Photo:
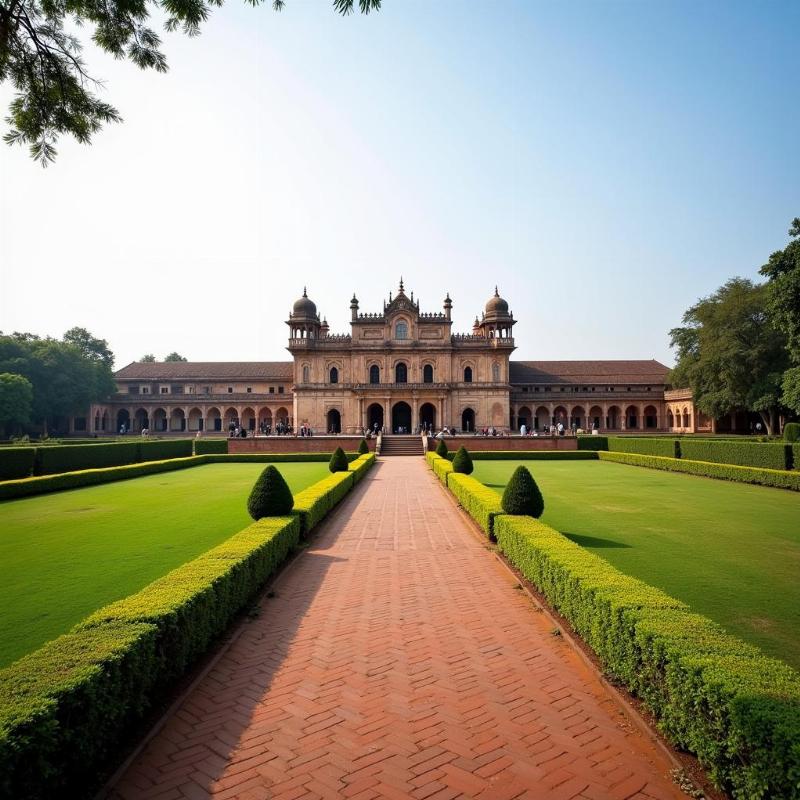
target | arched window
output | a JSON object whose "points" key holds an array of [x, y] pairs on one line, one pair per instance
{"points": [[334, 375], [401, 330], [401, 373], [374, 374], [467, 374], [427, 373], [306, 373], [496, 373]]}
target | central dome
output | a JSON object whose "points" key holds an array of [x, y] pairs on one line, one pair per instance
{"points": [[304, 307], [496, 306]]}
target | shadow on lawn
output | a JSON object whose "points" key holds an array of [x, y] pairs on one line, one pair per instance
{"points": [[593, 541]]}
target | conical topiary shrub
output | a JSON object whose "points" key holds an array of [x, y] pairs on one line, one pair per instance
{"points": [[522, 495], [441, 449], [462, 462], [270, 496], [363, 447], [338, 462]]}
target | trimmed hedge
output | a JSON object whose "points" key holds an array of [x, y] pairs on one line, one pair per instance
{"points": [[26, 487], [16, 462], [479, 501], [735, 708], [272, 458], [312, 504], [361, 466], [66, 707], [593, 443], [162, 449], [780, 479], [441, 466], [668, 448], [205, 446], [766, 455], [529, 455], [70, 458]]}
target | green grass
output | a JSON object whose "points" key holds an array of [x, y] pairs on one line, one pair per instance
{"points": [[68, 553], [731, 551]]}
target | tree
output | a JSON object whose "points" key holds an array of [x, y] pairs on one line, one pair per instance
{"points": [[441, 449], [363, 447], [173, 356], [16, 399], [41, 56], [522, 495], [147, 358], [270, 495], [730, 354], [92, 348], [65, 380], [783, 302], [338, 462], [462, 462]]}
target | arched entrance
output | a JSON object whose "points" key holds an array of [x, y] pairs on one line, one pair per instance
{"points": [[401, 417], [427, 416], [524, 418], [141, 420], [375, 417], [467, 420], [123, 419], [334, 421]]}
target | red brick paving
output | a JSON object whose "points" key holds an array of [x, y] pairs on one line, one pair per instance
{"points": [[398, 661]]}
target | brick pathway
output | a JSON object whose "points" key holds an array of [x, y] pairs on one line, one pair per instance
{"points": [[398, 660]]}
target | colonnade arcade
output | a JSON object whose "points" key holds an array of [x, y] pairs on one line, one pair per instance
{"points": [[176, 419], [603, 416]]}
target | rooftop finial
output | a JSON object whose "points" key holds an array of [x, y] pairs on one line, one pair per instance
{"points": [[401, 283], [496, 293], [304, 292]]}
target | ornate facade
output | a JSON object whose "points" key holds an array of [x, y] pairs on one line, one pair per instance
{"points": [[397, 369]]}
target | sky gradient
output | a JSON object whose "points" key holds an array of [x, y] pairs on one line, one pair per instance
{"points": [[605, 164]]}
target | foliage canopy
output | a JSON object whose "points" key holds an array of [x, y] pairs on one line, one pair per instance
{"points": [[41, 57]]}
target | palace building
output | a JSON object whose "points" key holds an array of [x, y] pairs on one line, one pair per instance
{"points": [[399, 368]]}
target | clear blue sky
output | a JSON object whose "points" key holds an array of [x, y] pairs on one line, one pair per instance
{"points": [[605, 164]]}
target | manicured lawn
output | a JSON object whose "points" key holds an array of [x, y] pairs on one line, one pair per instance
{"points": [[68, 553], [731, 551]]}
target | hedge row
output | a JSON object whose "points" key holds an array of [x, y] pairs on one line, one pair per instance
{"points": [[766, 455], [529, 455], [441, 466], [313, 503], [205, 446], [735, 708], [20, 462], [26, 487], [668, 448], [272, 458], [780, 479], [479, 501], [16, 462], [65, 709], [360, 466]]}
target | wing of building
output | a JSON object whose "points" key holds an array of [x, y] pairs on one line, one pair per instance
{"points": [[397, 369]]}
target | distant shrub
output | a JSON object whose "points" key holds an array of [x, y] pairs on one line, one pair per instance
{"points": [[522, 495], [592, 442], [204, 446], [338, 462], [16, 462], [271, 496], [791, 431], [441, 449], [462, 463], [363, 447]]}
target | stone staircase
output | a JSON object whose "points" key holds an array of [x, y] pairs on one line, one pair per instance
{"points": [[401, 445]]}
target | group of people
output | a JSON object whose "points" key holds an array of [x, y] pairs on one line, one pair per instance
{"points": [[235, 430], [557, 429]]}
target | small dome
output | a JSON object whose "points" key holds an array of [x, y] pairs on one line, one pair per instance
{"points": [[496, 306], [304, 307]]}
